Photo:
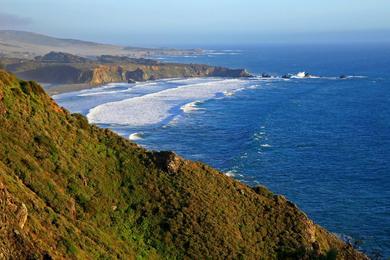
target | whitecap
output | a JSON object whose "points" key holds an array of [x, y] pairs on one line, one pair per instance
{"points": [[228, 93], [136, 136], [300, 75], [233, 92], [259, 136], [356, 77], [266, 145], [304, 75], [190, 107], [230, 173], [103, 93]]}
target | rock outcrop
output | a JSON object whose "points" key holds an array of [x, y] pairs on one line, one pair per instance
{"points": [[167, 160], [137, 75], [14, 244], [233, 73]]}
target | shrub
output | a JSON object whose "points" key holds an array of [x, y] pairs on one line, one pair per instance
{"points": [[332, 254], [81, 121], [69, 246], [262, 190]]}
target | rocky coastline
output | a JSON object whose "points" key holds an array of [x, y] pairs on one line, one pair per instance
{"points": [[62, 70]]}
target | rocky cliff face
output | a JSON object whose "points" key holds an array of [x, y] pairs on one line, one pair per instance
{"points": [[62, 68], [58, 74], [234, 73], [138, 72], [72, 190]]}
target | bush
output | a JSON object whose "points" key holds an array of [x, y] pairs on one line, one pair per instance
{"points": [[262, 190], [69, 246], [331, 254], [31, 87], [81, 121], [42, 140]]}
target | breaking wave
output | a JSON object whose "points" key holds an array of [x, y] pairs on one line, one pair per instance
{"points": [[190, 107], [136, 136], [162, 106]]}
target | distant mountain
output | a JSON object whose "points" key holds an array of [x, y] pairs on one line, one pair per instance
{"points": [[39, 39], [22, 44]]}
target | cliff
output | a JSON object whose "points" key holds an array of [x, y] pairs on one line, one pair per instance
{"points": [[72, 190], [139, 72], [63, 68]]}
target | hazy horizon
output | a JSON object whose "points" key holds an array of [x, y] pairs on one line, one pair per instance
{"points": [[202, 23]]}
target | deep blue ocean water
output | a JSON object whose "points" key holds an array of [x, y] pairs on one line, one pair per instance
{"points": [[323, 143]]}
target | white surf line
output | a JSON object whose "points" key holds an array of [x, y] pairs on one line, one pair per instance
{"points": [[135, 136], [156, 107]]}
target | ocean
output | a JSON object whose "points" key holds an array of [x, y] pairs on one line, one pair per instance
{"points": [[323, 142]]}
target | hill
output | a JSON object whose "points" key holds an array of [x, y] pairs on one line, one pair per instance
{"points": [[72, 190], [20, 44], [67, 70]]}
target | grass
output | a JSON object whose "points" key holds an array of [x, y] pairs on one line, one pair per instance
{"points": [[93, 194]]}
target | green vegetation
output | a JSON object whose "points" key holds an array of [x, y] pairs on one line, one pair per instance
{"points": [[92, 194]]}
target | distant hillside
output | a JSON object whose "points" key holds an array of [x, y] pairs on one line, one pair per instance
{"points": [[70, 190], [64, 68], [21, 44]]}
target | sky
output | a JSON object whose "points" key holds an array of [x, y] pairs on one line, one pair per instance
{"points": [[201, 22]]}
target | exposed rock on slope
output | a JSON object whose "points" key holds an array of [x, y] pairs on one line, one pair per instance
{"points": [[92, 194], [13, 216]]}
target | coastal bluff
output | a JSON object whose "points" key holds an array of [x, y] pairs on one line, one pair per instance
{"points": [[65, 68], [71, 190]]}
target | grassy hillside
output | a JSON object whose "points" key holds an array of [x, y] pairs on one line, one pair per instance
{"points": [[71, 190]]}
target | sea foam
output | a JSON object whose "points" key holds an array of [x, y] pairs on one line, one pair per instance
{"points": [[135, 136], [190, 107], [160, 106]]}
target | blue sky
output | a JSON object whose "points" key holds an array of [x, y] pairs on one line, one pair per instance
{"points": [[170, 22]]}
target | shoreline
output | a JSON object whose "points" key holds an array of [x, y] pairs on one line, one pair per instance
{"points": [[56, 89]]}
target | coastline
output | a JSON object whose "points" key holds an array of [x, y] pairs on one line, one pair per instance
{"points": [[63, 72], [56, 89]]}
